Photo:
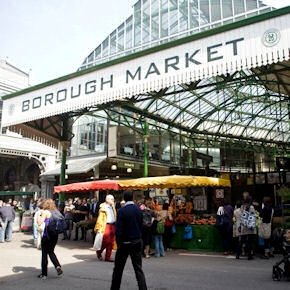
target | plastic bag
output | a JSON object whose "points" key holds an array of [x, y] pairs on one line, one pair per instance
{"points": [[98, 241]]}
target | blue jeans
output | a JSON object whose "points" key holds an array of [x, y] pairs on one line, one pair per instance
{"points": [[6, 231], [159, 248]]}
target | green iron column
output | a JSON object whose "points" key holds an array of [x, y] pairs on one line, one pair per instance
{"points": [[146, 151], [190, 163], [64, 147]]}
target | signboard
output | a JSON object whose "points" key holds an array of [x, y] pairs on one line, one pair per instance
{"points": [[195, 58], [220, 193]]}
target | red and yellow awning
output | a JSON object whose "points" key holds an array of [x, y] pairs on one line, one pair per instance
{"points": [[173, 181]]}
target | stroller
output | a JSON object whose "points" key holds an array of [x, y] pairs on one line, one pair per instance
{"points": [[279, 271]]}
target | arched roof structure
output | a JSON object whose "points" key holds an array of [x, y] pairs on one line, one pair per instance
{"points": [[155, 22], [238, 99], [248, 105]]}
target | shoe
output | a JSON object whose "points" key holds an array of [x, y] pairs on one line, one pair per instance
{"points": [[75, 239], [42, 277], [59, 271], [147, 257], [271, 255], [99, 255], [109, 260], [250, 258], [238, 257], [264, 257]]}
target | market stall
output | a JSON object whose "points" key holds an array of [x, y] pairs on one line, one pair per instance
{"points": [[193, 200]]}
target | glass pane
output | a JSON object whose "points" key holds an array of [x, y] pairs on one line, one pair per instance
{"points": [[204, 6], [106, 47], [137, 24], [183, 15], [215, 10], [113, 42], [194, 15], [251, 5], [146, 21], [98, 51], [154, 20], [239, 7], [164, 18], [129, 32], [173, 16], [227, 8], [121, 38]]}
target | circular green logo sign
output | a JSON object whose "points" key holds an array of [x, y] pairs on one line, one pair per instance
{"points": [[271, 37]]}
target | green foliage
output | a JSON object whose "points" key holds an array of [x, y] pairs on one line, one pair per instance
{"points": [[284, 192]]}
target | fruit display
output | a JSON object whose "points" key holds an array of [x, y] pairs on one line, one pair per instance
{"points": [[194, 220], [184, 219], [204, 221]]}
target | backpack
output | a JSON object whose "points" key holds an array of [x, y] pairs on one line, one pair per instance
{"points": [[147, 218], [57, 224], [160, 228]]}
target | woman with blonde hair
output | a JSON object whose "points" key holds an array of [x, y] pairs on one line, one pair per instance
{"points": [[49, 215]]}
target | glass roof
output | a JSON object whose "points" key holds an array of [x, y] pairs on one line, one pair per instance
{"points": [[244, 110], [157, 21]]}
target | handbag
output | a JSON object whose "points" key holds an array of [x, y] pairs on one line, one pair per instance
{"points": [[265, 231], [98, 241]]}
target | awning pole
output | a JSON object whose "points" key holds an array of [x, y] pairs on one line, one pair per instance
{"points": [[146, 153]]}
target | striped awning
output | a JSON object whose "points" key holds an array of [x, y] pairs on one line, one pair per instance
{"points": [[173, 181]]}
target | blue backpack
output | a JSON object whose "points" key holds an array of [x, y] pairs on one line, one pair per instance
{"points": [[57, 224]]}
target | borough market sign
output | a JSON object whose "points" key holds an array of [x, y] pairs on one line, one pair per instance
{"points": [[185, 61]]}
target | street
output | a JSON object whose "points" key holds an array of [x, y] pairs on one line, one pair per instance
{"points": [[20, 265]]}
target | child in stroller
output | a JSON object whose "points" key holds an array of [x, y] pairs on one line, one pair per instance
{"points": [[279, 272]]}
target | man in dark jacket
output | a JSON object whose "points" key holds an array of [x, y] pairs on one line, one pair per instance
{"points": [[7, 216], [129, 241]]}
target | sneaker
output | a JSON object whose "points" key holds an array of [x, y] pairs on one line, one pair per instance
{"points": [[42, 277], [59, 271]]}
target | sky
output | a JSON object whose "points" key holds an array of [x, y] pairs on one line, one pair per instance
{"points": [[51, 38]]}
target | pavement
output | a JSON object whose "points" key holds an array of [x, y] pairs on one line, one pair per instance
{"points": [[179, 270]]}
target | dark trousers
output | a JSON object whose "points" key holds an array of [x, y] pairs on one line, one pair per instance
{"points": [[69, 227], [134, 250], [227, 236], [249, 241], [47, 247], [167, 237], [77, 232]]}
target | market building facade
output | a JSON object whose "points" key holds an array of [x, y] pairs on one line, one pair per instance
{"points": [[194, 87]]}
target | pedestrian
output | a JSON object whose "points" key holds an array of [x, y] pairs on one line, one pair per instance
{"points": [[38, 230], [106, 225], [247, 228], [226, 213], [148, 217], [68, 215], [80, 213], [265, 228], [167, 213], [237, 226], [7, 216], [158, 229], [129, 242], [48, 216]]}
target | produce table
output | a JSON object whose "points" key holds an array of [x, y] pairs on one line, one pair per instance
{"points": [[204, 238]]}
